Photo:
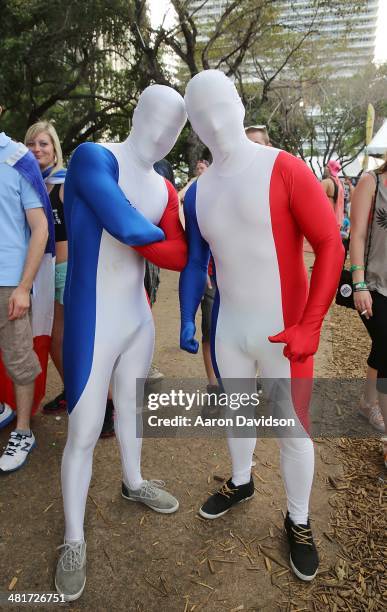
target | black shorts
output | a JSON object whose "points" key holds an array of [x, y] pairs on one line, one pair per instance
{"points": [[151, 280], [377, 329], [206, 305]]}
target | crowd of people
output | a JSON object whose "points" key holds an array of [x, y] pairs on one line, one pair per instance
{"points": [[46, 210], [361, 215]]}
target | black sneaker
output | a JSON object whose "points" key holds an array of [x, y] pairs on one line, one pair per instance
{"points": [[303, 552], [223, 500], [59, 403], [107, 430]]}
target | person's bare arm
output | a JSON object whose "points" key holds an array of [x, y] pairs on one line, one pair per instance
{"points": [[351, 188], [360, 211], [327, 185], [19, 302], [184, 190]]}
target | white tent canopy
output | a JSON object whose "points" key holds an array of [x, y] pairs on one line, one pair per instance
{"points": [[378, 144], [352, 169]]}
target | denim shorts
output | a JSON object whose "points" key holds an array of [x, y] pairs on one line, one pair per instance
{"points": [[60, 281]]}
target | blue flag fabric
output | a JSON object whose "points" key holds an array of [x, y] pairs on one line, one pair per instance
{"points": [[28, 167]]}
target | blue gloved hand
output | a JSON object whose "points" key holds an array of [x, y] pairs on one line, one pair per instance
{"points": [[187, 338], [158, 235]]}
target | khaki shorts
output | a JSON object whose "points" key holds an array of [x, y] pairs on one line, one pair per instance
{"points": [[16, 344]]}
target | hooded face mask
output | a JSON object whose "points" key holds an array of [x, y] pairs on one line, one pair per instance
{"points": [[157, 122], [215, 111]]}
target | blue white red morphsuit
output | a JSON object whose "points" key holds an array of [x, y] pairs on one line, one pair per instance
{"points": [[252, 208], [114, 200]]}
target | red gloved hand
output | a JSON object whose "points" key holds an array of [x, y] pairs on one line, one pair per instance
{"points": [[301, 342]]}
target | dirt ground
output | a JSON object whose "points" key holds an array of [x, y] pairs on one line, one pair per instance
{"points": [[143, 561]]}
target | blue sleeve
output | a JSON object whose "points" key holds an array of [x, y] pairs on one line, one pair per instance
{"points": [[28, 195], [93, 171], [194, 276]]}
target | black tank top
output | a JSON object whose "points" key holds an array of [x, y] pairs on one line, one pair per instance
{"points": [[58, 212]]}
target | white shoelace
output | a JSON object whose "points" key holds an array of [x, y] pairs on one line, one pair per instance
{"points": [[149, 489], [73, 556]]}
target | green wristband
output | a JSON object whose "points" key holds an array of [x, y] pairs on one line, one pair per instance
{"points": [[362, 286], [355, 267]]}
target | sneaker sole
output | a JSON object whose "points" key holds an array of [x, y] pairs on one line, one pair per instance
{"points": [[215, 516], [160, 510], [19, 466], [365, 417], [8, 420], [299, 575], [70, 597]]}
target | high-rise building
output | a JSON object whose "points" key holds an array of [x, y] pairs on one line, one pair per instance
{"points": [[356, 29]]}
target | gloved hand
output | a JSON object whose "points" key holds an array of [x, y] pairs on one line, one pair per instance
{"points": [[187, 338], [154, 235], [301, 341]]}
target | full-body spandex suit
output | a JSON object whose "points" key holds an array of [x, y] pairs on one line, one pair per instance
{"points": [[113, 201], [252, 208]]}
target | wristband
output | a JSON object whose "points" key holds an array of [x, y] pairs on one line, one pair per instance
{"points": [[355, 267], [362, 286]]}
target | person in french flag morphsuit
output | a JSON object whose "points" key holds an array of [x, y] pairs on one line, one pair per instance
{"points": [[114, 200], [252, 209]]}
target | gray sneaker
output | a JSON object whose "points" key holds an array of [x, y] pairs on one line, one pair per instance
{"points": [[70, 577], [151, 494], [154, 375]]}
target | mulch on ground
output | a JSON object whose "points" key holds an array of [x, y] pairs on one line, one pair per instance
{"points": [[141, 561]]}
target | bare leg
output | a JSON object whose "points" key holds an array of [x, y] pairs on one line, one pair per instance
{"points": [[370, 393], [56, 350], [24, 397], [206, 348]]}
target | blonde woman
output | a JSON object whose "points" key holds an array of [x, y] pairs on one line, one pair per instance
{"points": [[42, 139], [368, 252]]}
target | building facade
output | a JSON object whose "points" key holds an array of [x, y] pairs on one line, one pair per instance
{"points": [[350, 35]]}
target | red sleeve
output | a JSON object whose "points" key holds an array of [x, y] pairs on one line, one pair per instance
{"points": [[304, 210], [313, 214], [172, 252]]}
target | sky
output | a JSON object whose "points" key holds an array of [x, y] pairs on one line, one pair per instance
{"points": [[159, 7]]}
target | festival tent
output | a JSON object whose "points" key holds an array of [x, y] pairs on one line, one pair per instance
{"points": [[354, 168], [378, 144]]}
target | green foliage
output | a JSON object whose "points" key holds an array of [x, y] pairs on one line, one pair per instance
{"points": [[84, 63], [71, 62], [326, 118]]}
